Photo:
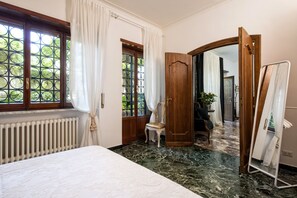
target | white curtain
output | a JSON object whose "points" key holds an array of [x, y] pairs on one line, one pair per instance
{"points": [[212, 83], [89, 23], [263, 137], [153, 59]]}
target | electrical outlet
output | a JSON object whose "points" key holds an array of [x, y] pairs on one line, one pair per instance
{"points": [[287, 153]]}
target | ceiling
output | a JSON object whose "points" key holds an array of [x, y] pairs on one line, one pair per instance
{"points": [[229, 52], [163, 12], [166, 12]]}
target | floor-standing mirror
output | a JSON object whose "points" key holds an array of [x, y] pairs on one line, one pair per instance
{"points": [[269, 122]]}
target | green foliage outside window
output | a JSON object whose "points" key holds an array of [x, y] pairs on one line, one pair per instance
{"points": [[131, 63], [45, 66], [11, 64]]}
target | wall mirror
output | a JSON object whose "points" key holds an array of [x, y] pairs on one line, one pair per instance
{"points": [[269, 121]]}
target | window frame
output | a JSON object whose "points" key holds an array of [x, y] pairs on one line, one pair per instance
{"points": [[136, 50], [32, 21]]}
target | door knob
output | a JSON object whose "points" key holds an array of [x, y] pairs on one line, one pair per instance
{"points": [[168, 100]]}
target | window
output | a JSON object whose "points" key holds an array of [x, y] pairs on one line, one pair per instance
{"points": [[11, 63], [34, 62], [45, 67], [133, 101], [67, 69]]}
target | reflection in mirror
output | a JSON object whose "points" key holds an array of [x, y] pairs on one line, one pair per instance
{"points": [[269, 120]]}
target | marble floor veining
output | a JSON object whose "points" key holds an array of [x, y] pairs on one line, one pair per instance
{"points": [[205, 172], [223, 138]]}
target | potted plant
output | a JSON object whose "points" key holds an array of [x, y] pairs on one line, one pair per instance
{"points": [[207, 99]]}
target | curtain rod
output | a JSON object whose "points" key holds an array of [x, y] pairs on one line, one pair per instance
{"points": [[116, 16]]}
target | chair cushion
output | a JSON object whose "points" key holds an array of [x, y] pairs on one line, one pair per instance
{"points": [[203, 113], [156, 125]]}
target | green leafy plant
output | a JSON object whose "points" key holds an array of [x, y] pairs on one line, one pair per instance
{"points": [[207, 98]]}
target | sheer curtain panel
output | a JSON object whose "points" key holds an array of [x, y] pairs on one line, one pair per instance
{"points": [[89, 24], [212, 83], [153, 60]]}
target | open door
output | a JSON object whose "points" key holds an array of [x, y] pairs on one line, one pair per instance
{"points": [[249, 70], [179, 103], [246, 50], [229, 98]]}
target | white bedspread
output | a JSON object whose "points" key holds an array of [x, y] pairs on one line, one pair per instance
{"points": [[86, 172]]}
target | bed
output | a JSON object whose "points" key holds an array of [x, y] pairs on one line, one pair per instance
{"points": [[85, 172]]}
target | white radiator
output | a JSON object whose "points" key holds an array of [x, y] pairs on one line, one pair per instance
{"points": [[25, 140]]}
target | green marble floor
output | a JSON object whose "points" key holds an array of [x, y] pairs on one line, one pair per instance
{"points": [[207, 173], [224, 138]]}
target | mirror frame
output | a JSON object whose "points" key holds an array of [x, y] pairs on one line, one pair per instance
{"points": [[257, 166]]}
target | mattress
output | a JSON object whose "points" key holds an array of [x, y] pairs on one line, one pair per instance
{"points": [[85, 172]]}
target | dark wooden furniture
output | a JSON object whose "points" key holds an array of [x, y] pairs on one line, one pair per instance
{"points": [[202, 123]]}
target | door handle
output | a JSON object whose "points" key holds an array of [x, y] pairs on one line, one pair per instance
{"points": [[168, 100], [27, 83]]}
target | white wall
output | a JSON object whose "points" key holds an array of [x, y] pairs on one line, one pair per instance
{"points": [[53, 8], [275, 20], [232, 68], [111, 115]]}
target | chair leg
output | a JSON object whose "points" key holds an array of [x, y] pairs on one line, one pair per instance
{"points": [[145, 132], [159, 134], [208, 137]]}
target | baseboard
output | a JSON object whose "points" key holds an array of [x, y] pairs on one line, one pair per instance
{"points": [[116, 147], [288, 167]]}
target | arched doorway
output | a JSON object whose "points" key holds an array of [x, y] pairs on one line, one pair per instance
{"points": [[249, 69]]}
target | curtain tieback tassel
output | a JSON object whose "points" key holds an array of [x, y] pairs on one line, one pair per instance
{"points": [[93, 126]]}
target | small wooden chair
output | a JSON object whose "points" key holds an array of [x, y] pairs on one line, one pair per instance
{"points": [[158, 125]]}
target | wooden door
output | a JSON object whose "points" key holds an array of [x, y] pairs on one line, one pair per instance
{"points": [[229, 98], [179, 105], [245, 95], [134, 112]]}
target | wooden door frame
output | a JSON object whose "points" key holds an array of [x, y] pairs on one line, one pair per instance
{"points": [[233, 99], [133, 124], [257, 60], [233, 41]]}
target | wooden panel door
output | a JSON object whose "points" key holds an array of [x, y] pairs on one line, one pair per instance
{"points": [[134, 111], [229, 98], [245, 95], [179, 105], [129, 130], [133, 128]]}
